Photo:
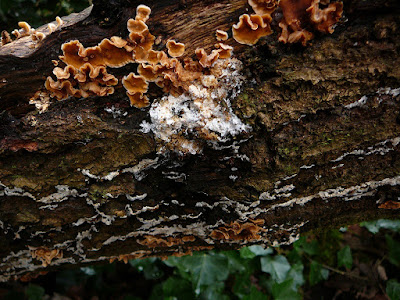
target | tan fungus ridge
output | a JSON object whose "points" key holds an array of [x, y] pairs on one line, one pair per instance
{"points": [[156, 242], [236, 231], [45, 255], [299, 17], [173, 75]]}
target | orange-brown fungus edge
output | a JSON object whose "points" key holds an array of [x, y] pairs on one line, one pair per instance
{"points": [[153, 241], [251, 28], [262, 7], [175, 49], [299, 15], [221, 35], [45, 255], [236, 231], [85, 73]]}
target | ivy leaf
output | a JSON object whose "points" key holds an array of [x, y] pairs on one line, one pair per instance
{"points": [[34, 292], [394, 250], [254, 250], [393, 289], [214, 291], [296, 273], [157, 292], [205, 269], [301, 245], [294, 256], [277, 266], [242, 285], [375, 226], [236, 262], [285, 291], [317, 273], [178, 288], [255, 294], [148, 266], [345, 258]]}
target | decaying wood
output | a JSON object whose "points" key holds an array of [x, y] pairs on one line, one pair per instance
{"points": [[80, 183]]}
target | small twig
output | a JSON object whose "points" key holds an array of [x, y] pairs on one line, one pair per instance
{"points": [[339, 271]]}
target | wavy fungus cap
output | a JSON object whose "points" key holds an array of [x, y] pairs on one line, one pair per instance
{"points": [[325, 19], [300, 16], [143, 12], [107, 53], [221, 35], [262, 7], [251, 28], [175, 49], [136, 86]]}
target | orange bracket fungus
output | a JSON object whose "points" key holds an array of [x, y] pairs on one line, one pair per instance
{"points": [[175, 49], [299, 15], [196, 107], [25, 30], [5, 38], [249, 231], [136, 86], [45, 255], [263, 7], [221, 35], [300, 18], [251, 28], [154, 242], [324, 19]]}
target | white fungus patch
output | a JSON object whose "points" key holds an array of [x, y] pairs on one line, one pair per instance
{"points": [[203, 113]]}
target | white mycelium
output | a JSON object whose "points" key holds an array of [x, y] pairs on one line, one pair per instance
{"points": [[203, 113]]}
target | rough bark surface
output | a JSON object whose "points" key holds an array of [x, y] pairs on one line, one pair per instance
{"points": [[83, 181]]}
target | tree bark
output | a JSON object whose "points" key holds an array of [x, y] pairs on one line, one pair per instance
{"points": [[80, 183]]}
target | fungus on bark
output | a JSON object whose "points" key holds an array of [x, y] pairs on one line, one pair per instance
{"points": [[45, 255], [221, 35], [136, 86], [175, 49], [262, 7], [299, 15], [236, 231], [206, 61], [5, 38], [324, 19], [151, 241], [251, 28]]}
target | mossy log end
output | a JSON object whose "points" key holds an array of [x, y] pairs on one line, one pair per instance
{"points": [[80, 183]]}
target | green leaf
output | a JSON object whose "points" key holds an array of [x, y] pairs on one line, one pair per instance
{"points": [[294, 256], [214, 291], [236, 262], [394, 250], [34, 292], [375, 226], [139, 264], [277, 266], [344, 257], [242, 285], [296, 273], [311, 248], [89, 271], [254, 250], [317, 273], [179, 288], [157, 293], [205, 269], [393, 289], [148, 266], [285, 291], [255, 294], [245, 252]]}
